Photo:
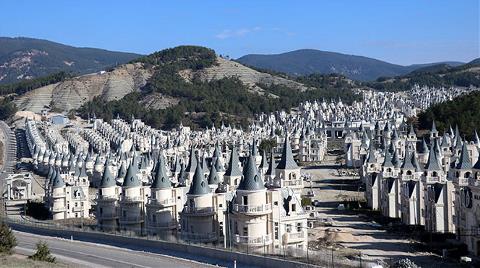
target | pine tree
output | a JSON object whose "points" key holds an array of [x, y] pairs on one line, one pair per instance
{"points": [[43, 253], [7, 239]]}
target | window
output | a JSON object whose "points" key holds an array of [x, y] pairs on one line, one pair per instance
{"points": [[101, 211], [275, 203], [276, 232], [245, 200], [294, 207], [245, 230], [299, 227]]}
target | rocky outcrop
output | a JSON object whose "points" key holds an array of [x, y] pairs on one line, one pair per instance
{"points": [[72, 93]]}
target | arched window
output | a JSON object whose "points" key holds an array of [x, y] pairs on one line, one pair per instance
{"points": [[409, 172]]}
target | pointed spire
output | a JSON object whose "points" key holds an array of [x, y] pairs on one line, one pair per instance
{"points": [[233, 169], [432, 163], [371, 154], [287, 161], [192, 161], [263, 163], [199, 184], [213, 178], [161, 180], [131, 178], [388, 159], [107, 178], [58, 181], [251, 180], [464, 161], [254, 148], [271, 165], [182, 176], [122, 171]]}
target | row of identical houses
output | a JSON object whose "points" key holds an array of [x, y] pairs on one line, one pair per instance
{"points": [[250, 201], [431, 182], [248, 205]]}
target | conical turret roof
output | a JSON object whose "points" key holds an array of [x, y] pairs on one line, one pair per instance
{"points": [[161, 180], [107, 178], [199, 184], [287, 161], [464, 161], [233, 169], [213, 177], [58, 181], [131, 178], [251, 180]]}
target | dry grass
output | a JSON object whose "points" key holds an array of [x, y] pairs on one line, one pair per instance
{"points": [[21, 261]]}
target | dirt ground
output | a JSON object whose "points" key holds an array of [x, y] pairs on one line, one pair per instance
{"points": [[350, 230]]}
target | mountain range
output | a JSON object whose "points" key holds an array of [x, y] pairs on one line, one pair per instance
{"points": [[28, 58], [308, 61]]}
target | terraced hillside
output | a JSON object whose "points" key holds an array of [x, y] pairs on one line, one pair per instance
{"points": [[73, 93]]}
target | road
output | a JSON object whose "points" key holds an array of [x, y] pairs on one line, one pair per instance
{"points": [[9, 151], [83, 254]]}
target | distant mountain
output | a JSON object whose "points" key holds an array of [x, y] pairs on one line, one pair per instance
{"points": [[27, 58], [308, 61]]}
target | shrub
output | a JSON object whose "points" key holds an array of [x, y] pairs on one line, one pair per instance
{"points": [[7, 239], [43, 253]]}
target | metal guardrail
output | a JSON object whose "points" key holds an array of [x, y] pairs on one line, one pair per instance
{"points": [[325, 257]]}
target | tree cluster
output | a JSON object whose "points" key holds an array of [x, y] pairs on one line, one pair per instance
{"points": [[463, 111]]}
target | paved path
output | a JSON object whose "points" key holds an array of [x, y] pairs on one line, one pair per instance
{"points": [[83, 254], [9, 150]]}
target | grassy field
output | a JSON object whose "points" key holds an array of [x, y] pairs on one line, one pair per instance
{"points": [[21, 261]]}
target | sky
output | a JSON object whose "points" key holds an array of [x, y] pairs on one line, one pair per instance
{"points": [[401, 31]]}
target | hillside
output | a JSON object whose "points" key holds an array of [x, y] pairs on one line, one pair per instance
{"points": [[28, 58], [440, 75], [194, 86], [308, 61], [463, 111]]}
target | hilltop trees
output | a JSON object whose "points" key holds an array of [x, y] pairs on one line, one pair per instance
{"points": [[463, 111]]}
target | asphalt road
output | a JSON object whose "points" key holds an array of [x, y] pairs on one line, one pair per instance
{"points": [[83, 254], [9, 147]]}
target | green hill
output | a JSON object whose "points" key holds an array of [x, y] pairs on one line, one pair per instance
{"points": [[308, 61], [28, 58], [463, 111], [204, 102]]}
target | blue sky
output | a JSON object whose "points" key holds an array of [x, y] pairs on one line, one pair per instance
{"points": [[401, 31]]}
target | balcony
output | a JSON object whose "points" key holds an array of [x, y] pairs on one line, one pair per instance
{"points": [[161, 203], [59, 209], [252, 240], [78, 209], [107, 216], [163, 225], [199, 237], [252, 210], [198, 211], [131, 220], [387, 174], [131, 199], [107, 198], [408, 177], [290, 183], [296, 237]]}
